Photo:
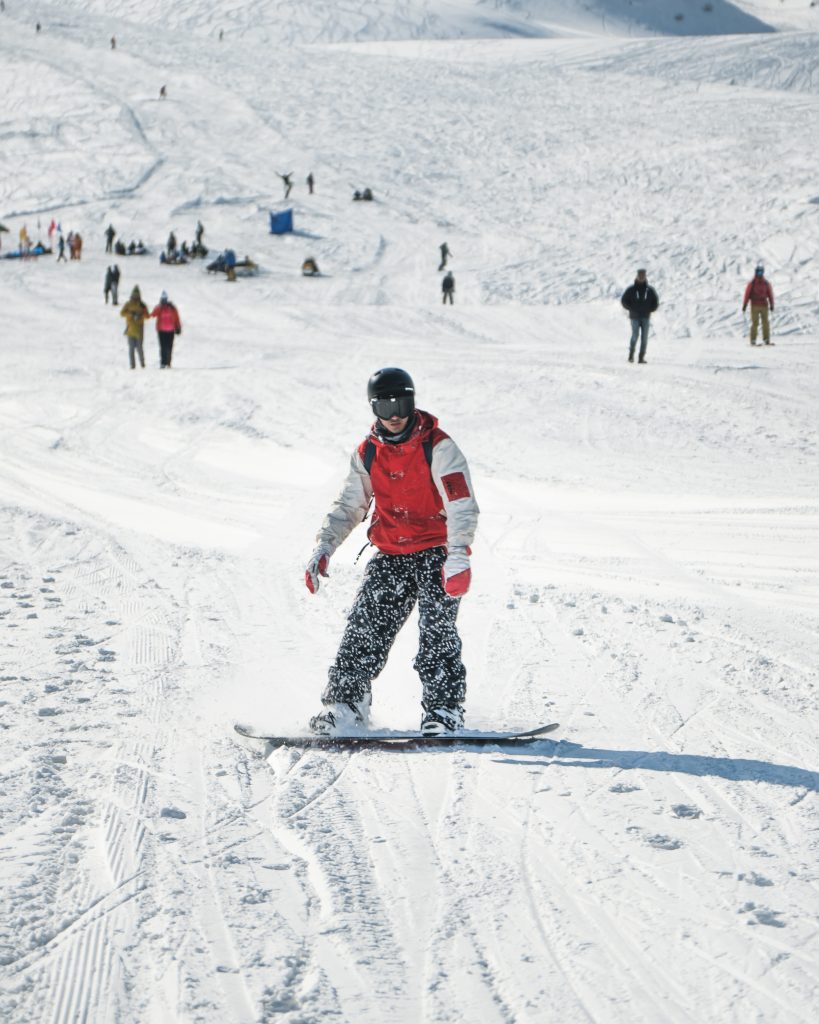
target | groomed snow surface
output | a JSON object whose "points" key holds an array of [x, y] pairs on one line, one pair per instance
{"points": [[647, 565]]}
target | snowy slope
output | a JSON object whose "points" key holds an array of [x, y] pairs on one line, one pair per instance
{"points": [[646, 570]]}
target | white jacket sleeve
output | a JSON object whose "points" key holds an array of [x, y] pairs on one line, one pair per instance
{"points": [[349, 508], [451, 476]]}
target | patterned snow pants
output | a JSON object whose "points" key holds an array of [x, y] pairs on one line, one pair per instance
{"points": [[391, 586]]}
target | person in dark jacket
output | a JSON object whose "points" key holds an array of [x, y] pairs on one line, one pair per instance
{"points": [[106, 288], [760, 294], [641, 301], [448, 288], [423, 522], [445, 254], [115, 285], [110, 235]]}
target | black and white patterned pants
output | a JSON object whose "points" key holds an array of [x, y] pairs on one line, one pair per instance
{"points": [[391, 586]]}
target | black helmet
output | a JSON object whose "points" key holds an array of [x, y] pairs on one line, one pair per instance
{"points": [[391, 393]]}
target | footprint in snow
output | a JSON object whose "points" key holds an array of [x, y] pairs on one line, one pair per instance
{"points": [[762, 915], [686, 811], [661, 842]]}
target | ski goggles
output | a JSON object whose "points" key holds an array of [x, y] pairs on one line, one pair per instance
{"points": [[386, 408]]}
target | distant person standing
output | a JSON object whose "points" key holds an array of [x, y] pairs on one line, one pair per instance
{"points": [[310, 182], [110, 235], [448, 288], [136, 313], [640, 300], [115, 285], [760, 294], [163, 93], [39, 26], [168, 325], [113, 42], [445, 254], [106, 288], [61, 250], [200, 230]]}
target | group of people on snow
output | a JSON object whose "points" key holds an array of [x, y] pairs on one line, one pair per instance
{"points": [[640, 300], [168, 326]]}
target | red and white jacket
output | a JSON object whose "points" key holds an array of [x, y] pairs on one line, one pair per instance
{"points": [[417, 505]]}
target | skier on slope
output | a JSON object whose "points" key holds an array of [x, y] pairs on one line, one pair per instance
{"points": [[760, 294], [423, 523]]}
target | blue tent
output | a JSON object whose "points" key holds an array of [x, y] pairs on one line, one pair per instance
{"points": [[281, 223]]}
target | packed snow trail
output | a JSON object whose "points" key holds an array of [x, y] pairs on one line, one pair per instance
{"points": [[645, 571]]}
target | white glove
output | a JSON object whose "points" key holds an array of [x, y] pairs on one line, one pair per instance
{"points": [[455, 572], [317, 566]]}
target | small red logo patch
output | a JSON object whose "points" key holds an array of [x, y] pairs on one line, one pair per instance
{"points": [[456, 486]]}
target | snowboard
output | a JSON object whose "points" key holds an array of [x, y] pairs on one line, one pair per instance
{"points": [[399, 740]]}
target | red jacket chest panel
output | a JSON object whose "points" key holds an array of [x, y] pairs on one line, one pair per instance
{"points": [[409, 513]]}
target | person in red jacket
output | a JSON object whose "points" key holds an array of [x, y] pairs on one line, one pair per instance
{"points": [[760, 294], [168, 325], [424, 520]]}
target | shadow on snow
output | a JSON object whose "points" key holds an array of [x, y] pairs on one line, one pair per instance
{"points": [[735, 769]]}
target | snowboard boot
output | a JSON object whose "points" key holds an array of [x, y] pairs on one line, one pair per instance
{"points": [[631, 357], [343, 718], [443, 719]]}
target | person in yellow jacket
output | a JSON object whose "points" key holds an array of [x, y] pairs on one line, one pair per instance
{"points": [[136, 313]]}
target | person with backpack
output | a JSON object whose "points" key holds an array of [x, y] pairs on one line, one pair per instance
{"points": [[448, 288], [423, 522], [641, 301], [168, 325], [136, 313], [760, 294]]}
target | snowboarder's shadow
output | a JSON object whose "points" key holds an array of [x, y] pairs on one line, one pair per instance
{"points": [[735, 769]]}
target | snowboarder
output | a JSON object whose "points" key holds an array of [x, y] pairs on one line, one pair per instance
{"points": [[423, 522], [641, 301], [110, 235], [310, 182], [168, 325], [448, 288], [288, 183], [136, 313], [445, 254], [106, 288], [115, 285], [760, 294]]}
